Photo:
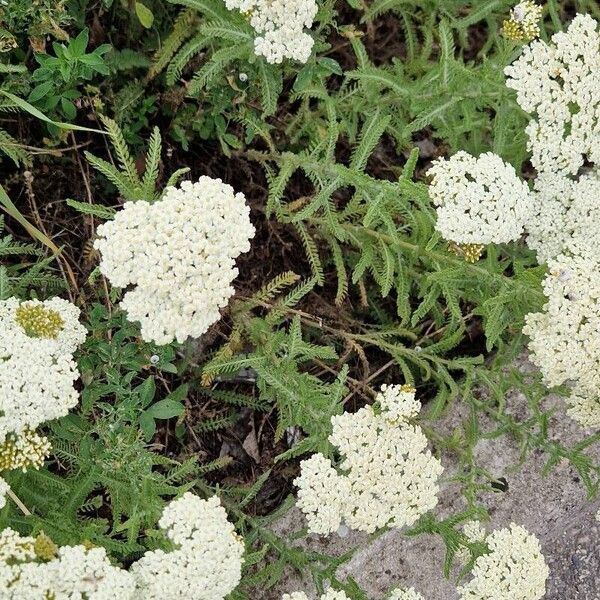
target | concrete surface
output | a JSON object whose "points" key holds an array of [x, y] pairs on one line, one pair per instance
{"points": [[554, 507]]}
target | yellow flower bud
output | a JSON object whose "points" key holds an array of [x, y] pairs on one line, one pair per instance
{"points": [[39, 321]]}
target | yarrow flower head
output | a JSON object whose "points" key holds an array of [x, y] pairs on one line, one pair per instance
{"points": [[34, 388], [14, 547], [76, 572], [37, 369], [514, 569], [179, 254], [479, 200], [524, 22], [398, 402], [558, 83], [39, 321], [206, 564], [51, 327], [207, 561], [387, 476], [26, 450], [566, 216], [280, 25], [4, 488], [582, 219], [323, 494], [547, 231], [471, 253], [330, 594], [564, 337], [474, 532]]}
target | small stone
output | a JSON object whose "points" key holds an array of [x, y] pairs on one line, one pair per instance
{"points": [[343, 531]]}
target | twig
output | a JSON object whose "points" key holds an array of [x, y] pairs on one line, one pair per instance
{"points": [[86, 182], [18, 502], [65, 268]]}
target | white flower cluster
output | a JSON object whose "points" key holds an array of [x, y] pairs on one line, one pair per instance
{"points": [[566, 215], [37, 369], [280, 25], [330, 594], [547, 231], [558, 83], [206, 565], [179, 254], [523, 24], [387, 477], [479, 200], [4, 488], [398, 402], [50, 326], [514, 569], [75, 572], [564, 337], [14, 547], [26, 450], [474, 532]]}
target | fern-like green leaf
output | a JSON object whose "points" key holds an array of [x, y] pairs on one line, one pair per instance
{"points": [[371, 133], [152, 164], [271, 86], [97, 210], [312, 253], [122, 151], [13, 149], [182, 29], [215, 66]]}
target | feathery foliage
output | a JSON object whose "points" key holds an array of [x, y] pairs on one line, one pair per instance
{"points": [[347, 285]]}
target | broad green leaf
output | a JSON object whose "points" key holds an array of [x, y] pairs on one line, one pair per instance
{"points": [[144, 14], [147, 425], [165, 409], [68, 108], [78, 45], [331, 65], [40, 91], [147, 390]]}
